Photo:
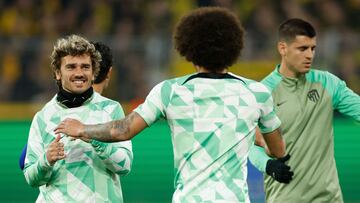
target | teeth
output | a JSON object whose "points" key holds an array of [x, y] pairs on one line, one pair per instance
{"points": [[78, 81]]}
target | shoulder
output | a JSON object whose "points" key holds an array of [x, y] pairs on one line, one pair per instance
{"points": [[178, 81], [101, 100], [168, 85], [252, 85], [324, 77], [49, 108], [328, 81], [104, 103], [257, 86], [259, 90], [272, 80]]}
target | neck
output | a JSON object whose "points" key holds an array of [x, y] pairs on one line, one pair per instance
{"points": [[205, 70], [285, 71], [99, 88], [72, 100]]}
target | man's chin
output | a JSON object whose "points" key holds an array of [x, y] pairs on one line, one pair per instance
{"points": [[79, 90], [306, 70]]}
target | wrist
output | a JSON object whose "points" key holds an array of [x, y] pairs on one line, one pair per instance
{"points": [[44, 162], [82, 131], [84, 135]]}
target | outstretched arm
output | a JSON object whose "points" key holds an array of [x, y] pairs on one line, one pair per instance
{"points": [[113, 131]]}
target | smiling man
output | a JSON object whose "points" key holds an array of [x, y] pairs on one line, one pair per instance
{"points": [[212, 113], [305, 100], [75, 171]]}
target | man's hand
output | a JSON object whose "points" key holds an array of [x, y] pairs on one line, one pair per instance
{"points": [[277, 169], [55, 151], [72, 128]]}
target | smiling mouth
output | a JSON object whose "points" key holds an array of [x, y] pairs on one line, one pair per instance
{"points": [[79, 82]]}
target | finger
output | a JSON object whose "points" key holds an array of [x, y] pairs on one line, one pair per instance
{"points": [[291, 173], [60, 145], [59, 128], [61, 153], [62, 157], [287, 179], [58, 137], [285, 158]]}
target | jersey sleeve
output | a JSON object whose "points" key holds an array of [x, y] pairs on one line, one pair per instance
{"points": [[344, 99], [37, 169], [258, 157], [116, 156], [154, 105], [268, 121]]}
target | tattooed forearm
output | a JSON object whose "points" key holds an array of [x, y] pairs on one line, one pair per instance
{"points": [[118, 130], [99, 132], [121, 128]]}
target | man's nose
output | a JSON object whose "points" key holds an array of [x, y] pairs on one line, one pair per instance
{"points": [[78, 71], [309, 53]]}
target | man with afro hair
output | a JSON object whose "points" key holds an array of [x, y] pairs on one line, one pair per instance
{"points": [[212, 113]]}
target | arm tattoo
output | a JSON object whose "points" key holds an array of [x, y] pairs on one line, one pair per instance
{"points": [[118, 130], [121, 128]]}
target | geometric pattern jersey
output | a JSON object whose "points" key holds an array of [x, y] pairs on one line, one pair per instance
{"points": [[212, 121], [90, 172], [305, 106]]}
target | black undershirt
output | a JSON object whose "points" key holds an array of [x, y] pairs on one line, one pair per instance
{"points": [[72, 100]]}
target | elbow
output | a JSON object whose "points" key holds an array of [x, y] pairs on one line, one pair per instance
{"points": [[124, 167], [124, 170], [32, 178], [128, 165], [33, 182]]}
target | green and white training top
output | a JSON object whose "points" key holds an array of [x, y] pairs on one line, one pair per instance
{"points": [[91, 171], [305, 106], [212, 118]]}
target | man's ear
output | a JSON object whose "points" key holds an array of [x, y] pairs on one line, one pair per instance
{"points": [[57, 74], [282, 47], [108, 76]]}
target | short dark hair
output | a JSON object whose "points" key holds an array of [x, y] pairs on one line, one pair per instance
{"points": [[289, 29], [210, 37], [106, 61]]}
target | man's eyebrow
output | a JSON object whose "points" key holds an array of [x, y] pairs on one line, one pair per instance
{"points": [[81, 64], [70, 64]]}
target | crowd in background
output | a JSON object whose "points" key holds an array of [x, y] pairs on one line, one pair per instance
{"points": [[139, 33]]}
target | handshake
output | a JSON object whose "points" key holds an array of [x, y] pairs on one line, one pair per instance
{"points": [[277, 169]]}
